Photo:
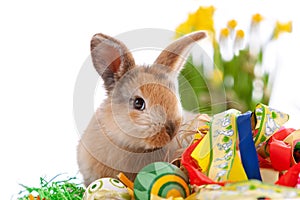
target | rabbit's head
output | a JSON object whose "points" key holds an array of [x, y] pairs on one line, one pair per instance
{"points": [[142, 110]]}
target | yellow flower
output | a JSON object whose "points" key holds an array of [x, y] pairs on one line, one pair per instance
{"points": [[255, 39], [202, 19], [257, 18], [182, 29], [224, 33], [238, 43], [240, 34], [282, 28], [186, 27], [191, 21], [225, 44], [231, 24]]}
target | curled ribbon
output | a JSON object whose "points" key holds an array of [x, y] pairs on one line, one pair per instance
{"points": [[214, 159]]}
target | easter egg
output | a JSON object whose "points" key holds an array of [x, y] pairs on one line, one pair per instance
{"points": [[106, 188], [161, 179]]}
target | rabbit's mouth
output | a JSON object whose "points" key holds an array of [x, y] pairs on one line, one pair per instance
{"points": [[159, 140], [164, 136], [151, 150]]}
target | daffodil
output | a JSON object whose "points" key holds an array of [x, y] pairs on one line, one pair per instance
{"points": [[202, 19], [182, 29], [282, 28], [186, 27]]}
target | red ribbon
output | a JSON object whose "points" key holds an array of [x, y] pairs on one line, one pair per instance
{"points": [[195, 174], [290, 178], [280, 152], [282, 133], [280, 155]]}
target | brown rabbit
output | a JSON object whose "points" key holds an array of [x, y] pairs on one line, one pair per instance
{"points": [[139, 120]]}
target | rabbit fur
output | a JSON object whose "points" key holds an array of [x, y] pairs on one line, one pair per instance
{"points": [[139, 121]]}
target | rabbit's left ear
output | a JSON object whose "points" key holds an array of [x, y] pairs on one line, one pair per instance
{"points": [[174, 55], [111, 59]]}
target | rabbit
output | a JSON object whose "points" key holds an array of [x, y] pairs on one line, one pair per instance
{"points": [[139, 121]]}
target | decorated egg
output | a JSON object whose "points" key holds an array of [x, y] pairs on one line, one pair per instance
{"points": [[160, 179], [106, 188]]}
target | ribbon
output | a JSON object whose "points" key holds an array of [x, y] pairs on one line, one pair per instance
{"points": [[280, 155], [247, 148], [214, 159], [281, 147], [268, 121], [195, 175], [216, 152], [290, 178]]}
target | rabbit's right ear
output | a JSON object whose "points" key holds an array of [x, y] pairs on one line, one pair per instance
{"points": [[111, 58], [174, 56]]}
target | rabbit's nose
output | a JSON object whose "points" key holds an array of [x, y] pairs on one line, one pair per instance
{"points": [[170, 127]]}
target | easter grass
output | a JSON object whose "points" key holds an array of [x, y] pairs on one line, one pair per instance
{"points": [[66, 189]]}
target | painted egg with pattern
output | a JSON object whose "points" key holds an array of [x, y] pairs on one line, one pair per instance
{"points": [[161, 179], [106, 188]]}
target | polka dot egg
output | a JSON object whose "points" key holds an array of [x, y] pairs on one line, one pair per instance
{"points": [[161, 179], [106, 188]]}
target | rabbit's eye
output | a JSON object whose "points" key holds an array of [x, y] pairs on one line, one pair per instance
{"points": [[139, 103]]}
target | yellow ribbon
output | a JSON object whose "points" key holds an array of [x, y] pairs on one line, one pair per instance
{"points": [[268, 122], [216, 153]]}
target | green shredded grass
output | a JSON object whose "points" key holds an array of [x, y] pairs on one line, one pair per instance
{"points": [[66, 189]]}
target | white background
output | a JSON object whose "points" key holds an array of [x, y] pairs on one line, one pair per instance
{"points": [[43, 45]]}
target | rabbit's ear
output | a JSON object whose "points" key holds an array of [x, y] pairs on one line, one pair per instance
{"points": [[111, 58], [174, 55]]}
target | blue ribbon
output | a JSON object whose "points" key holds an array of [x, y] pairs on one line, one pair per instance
{"points": [[247, 148]]}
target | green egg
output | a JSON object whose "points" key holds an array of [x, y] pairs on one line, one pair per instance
{"points": [[161, 179]]}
